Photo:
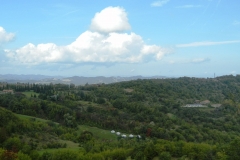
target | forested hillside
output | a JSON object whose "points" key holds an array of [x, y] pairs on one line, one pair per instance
{"points": [[154, 111]]}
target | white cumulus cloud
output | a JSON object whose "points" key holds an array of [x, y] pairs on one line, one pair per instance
{"points": [[99, 45], [31, 54], [4, 36], [110, 19]]}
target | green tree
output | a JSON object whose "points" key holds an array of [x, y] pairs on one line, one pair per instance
{"points": [[3, 135], [22, 156], [64, 155], [165, 156], [13, 144], [233, 151]]}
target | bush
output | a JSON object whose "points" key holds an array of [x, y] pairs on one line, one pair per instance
{"points": [[118, 154], [46, 156], [22, 156], [65, 155], [165, 156], [13, 144]]}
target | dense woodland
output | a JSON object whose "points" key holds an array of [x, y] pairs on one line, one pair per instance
{"points": [[153, 109]]}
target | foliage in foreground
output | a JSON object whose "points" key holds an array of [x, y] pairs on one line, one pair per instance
{"points": [[151, 108]]}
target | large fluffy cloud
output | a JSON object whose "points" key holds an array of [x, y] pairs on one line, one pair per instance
{"points": [[31, 54], [110, 19], [4, 36], [102, 43]]}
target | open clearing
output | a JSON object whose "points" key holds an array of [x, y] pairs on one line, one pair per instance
{"points": [[32, 118], [30, 93], [98, 133]]}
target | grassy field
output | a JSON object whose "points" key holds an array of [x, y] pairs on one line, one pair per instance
{"points": [[30, 93], [70, 146], [30, 117], [97, 132]]}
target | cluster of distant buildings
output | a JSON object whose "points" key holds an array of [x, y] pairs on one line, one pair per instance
{"points": [[204, 103], [7, 91], [124, 135]]}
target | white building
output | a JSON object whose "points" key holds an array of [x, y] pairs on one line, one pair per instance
{"points": [[131, 136], [112, 131], [124, 136], [118, 133]]}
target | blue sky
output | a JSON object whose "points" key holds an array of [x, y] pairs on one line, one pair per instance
{"points": [[120, 38]]}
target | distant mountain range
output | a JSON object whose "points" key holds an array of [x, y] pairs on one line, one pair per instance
{"points": [[43, 79]]}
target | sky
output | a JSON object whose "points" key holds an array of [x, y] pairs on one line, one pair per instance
{"points": [[171, 38]]}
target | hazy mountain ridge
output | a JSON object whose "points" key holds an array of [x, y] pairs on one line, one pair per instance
{"points": [[25, 77], [77, 80]]}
